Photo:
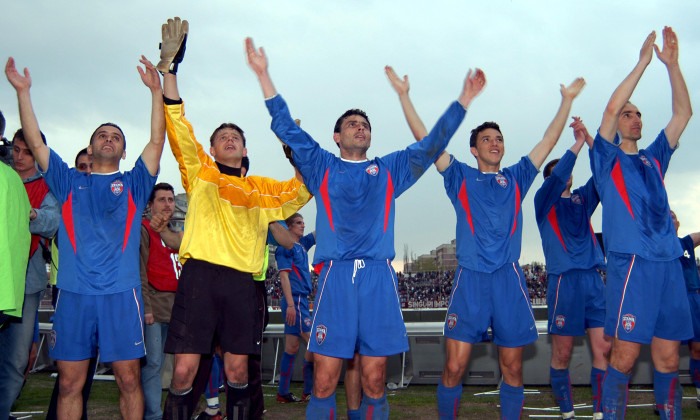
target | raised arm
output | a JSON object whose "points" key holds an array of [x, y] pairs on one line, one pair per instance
{"points": [[281, 235], [540, 152], [696, 238], [154, 149], [30, 125], [473, 85], [682, 110], [257, 60], [623, 93]]}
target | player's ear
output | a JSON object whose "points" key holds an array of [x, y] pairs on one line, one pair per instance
{"points": [[336, 137], [474, 152]]}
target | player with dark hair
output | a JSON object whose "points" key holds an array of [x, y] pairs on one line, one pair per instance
{"points": [[293, 266], [575, 290], [646, 300], [99, 302], [16, 337], [223, 246], [357, 296], [487, 202], [83, 161], [160, 269]]}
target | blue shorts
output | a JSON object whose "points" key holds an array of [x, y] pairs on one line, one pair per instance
{"points": [[575, 302], [499, 300], [112, 322], [694, 302], [303, 319], [646, 299], [357, 308]]}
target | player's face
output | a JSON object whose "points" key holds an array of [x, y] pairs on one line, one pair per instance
{"points": [[297, 227], [108, 144], [355, 134], [23, 159], [630, 123], [228, 146], [676, 223], [163, 202], [84, 164], [489, 147]]}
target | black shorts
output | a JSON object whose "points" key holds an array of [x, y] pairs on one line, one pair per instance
{"points": [[213, 301]]}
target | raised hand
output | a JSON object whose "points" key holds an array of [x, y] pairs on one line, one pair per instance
{"points": [[257, 60], [580, 131], [149, 75], [400, 86], [669, 55], [473, 85], [17, 81], [159, 221], [646, 52], [172, 49], [573, 89]]}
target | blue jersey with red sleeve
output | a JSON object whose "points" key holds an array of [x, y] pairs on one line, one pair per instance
{"points": [[636, 214], [355, 200], [296, 262], [489, 216], [100, 230], [568, 240], [690, 268]]}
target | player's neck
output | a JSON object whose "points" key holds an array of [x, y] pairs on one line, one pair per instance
{"points": [[629, 146], [566, 193], [488, 168], [357, 155], [104, 167]]}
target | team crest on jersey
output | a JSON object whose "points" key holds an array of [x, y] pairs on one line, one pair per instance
{"points": [[52, 339], [645, 160], [372, 169], [559, 321], [451, 321], [321, 334], [628, 321], [307, 321], [117, 187], [576, 198], [502, 181]]}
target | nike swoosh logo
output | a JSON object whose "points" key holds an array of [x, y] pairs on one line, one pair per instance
{"points": [[136, 344], [82, 188]]}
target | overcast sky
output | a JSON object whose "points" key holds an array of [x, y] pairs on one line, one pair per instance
{"points": [[328, 56]]}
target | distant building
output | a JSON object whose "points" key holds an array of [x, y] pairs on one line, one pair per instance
{"points": [[442, 258]]}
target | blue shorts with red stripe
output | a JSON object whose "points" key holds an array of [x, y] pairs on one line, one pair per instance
{"points": [[112, 322], [575, 302], [357, 308], [302, 322], [646, 299], [499, 300]]}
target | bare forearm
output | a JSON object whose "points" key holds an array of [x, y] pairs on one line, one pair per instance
{"points": [[154, 149], [281, 235], [617, 101], [268, 88], [30, 127], [552, 134], [414, 122], [170, 89], [171, 239], [286, 287]]}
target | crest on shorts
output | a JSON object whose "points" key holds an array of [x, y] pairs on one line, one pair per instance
{"points": [[321, 334], [576, 199], [502, 181], [372, 169], [117, 187], [307, 321], [451, 321], [52, 339], [645, 160], [628, 321], [559, 321]]}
